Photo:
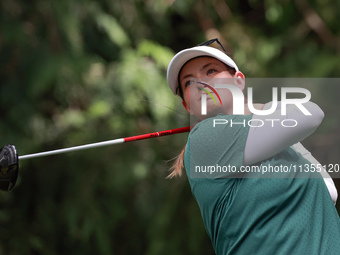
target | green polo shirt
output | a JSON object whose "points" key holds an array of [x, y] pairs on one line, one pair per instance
{"points": [[245, 214]]}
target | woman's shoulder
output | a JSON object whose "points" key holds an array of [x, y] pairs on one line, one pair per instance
{"points": [[221, 123]]}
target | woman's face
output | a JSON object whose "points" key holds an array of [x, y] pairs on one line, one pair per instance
{"points": [[206, 69]]}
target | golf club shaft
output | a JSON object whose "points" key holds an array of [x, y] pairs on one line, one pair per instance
{"points": [[110, 142]]}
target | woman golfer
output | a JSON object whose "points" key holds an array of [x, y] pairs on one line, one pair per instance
{"points": [[292, 212]]}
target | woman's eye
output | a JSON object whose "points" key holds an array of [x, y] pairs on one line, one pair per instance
{"points": [[188, 83], [210, 71]]}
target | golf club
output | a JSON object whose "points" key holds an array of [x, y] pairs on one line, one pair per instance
{"points": [[110, 142], [9, 159]]}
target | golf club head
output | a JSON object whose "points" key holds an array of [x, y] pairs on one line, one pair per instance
{"points": [[9, 167]]}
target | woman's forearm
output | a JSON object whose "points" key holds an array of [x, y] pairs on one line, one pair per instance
{"points": [[265, 141]]}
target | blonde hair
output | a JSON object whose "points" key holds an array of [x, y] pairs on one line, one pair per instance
{"points": [[178, 165]]}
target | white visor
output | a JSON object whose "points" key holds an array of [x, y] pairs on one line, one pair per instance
{"points": [[184, 56]]}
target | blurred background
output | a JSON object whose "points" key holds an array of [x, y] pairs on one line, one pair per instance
{"points": [[77, 72]]}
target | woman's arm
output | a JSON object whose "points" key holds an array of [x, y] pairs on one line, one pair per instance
{"points": [[265, 141]]}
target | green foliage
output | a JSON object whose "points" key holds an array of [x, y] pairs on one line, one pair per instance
{"points": [[77, 72]]}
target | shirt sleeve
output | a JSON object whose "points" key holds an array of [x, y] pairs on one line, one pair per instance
{"points": [[269, 135]]}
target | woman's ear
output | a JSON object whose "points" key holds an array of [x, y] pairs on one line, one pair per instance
{"points": [[240, 80]]}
